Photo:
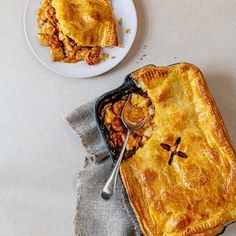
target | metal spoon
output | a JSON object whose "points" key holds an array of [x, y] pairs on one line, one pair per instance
{"points": [[131, 124]]}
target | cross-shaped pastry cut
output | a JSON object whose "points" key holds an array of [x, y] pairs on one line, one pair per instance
{"points": [[173, 150]]}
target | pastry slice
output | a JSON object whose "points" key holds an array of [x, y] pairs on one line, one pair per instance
{"points": [[182, 182], [87, 22], [62, 47]]}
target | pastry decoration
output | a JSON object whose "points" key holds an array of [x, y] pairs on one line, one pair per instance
{"points": [[173, 149]]}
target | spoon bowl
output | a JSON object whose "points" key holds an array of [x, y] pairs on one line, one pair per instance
{"points": [[132, 116]]}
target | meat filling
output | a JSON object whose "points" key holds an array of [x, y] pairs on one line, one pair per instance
{"points": [[117, 130]]}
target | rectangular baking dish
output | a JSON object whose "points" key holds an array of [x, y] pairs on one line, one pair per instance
{"points": [[127, 87]]}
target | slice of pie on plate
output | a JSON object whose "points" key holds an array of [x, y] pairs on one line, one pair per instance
{"points": [[77, 30], [183, 180]]}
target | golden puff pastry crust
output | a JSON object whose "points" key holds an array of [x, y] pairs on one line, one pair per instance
{"points": [[87, 22], [195, 192]]}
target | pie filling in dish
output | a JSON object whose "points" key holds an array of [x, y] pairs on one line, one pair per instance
{"points": [[182, 180], [77, 30], [111, 115]]}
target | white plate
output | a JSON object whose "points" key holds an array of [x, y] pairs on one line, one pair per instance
{"points": [[121, 9]]}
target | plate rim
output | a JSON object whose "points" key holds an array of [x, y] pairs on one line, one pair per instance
{"points": [[78, 77]]}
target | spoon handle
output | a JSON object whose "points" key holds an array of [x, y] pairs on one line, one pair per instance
{"points": [[110, 185]]}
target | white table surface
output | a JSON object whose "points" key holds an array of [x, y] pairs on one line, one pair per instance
{"points": [[39, 154]]}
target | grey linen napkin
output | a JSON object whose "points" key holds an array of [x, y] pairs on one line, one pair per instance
{"points": [[95, 216]]}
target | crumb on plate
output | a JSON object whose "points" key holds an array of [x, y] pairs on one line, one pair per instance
{"points": [[104, 56], [128, 31]]}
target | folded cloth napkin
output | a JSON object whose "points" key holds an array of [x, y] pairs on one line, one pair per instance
{"points": [[95, 216]]}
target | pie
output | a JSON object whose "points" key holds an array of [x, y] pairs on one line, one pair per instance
{"points": [[182, 181], [77, 30]]}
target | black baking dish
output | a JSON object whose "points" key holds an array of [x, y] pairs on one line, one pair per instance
{"points": [[127, 87]]}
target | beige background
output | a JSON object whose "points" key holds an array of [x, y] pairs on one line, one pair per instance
{"points": [[40, 156]]}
